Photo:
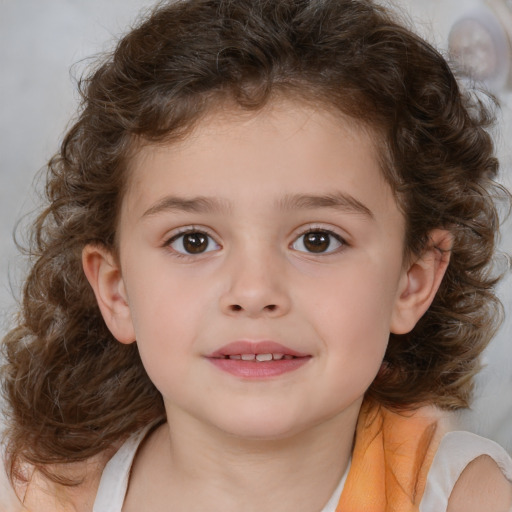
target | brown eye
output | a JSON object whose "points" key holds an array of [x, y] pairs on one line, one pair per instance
{"points": [[194, 242], [317, 242]]}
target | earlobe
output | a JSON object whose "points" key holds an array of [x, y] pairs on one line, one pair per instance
{"points": [[104, 276], [420, 282]]}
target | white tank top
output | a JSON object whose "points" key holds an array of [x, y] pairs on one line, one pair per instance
{"points": [[455, 452]]}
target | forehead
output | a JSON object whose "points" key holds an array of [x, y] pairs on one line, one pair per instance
{"points": [[283, 149]]}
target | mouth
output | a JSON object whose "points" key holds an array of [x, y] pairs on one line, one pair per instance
{"points": [[260, 358], [257, 360]]}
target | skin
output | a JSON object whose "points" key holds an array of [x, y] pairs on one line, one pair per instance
{"points": [[253, 284], [482, 486], [281, 442], [258, 281]]}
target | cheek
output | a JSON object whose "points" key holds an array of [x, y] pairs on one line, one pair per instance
{"points": [[164, 301], [165, 341], [360, 299], [352, 316], [166, 315]]}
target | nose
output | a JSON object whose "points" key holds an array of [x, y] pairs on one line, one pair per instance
{"points": [[257, 287]]}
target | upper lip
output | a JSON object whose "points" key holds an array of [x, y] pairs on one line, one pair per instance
{"points": [[255, 347]]}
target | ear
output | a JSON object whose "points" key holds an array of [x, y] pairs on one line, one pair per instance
{"points": [[104, 275], [420, 282]]}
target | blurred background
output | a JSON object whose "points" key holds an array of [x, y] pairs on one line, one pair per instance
{"points": [[46, 44]]}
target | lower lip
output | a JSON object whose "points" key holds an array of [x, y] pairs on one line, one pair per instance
{"points": [[258, 370]]}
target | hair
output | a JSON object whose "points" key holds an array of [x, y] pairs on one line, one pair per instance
{"points": [[72, 389]]}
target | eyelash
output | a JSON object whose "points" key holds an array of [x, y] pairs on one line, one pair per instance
{"points": [[321, 230], [201, 231], [187, 231]]}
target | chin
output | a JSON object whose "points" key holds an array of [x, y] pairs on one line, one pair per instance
{"points": [[256, 423], [261, 426]]}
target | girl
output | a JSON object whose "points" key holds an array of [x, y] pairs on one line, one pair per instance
{"points": [[262, 273]]}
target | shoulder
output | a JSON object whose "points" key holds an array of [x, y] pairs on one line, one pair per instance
{"points": [[41, 494], [9, 502], [481, 486], [468, 473]]}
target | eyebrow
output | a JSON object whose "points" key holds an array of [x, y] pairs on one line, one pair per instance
{"points": [[208, 205], [198, 204], [337, 200]]}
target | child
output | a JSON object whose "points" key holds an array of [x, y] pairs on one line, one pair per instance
{"points": [[262, 274]]}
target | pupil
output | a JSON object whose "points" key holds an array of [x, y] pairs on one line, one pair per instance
{"points": [[317, 242], [195, 242]]}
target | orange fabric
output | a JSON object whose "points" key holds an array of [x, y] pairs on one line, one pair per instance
{"points": [[390, 461]]}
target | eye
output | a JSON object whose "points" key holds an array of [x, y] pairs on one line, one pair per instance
{"points": [[193, 242], [318, 241]]}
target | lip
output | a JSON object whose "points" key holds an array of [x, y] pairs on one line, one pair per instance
{"points": [[289, 360], [255, 347]]}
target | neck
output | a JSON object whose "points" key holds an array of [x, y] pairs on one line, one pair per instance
{"points": [[189, 466]]}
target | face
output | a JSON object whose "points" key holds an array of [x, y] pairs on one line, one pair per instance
{"points": [[261, 270]]}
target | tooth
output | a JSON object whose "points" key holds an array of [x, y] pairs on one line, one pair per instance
{"points": [[287, 356], [248, 357], [235, 357], [264, 357], [277, 357]]}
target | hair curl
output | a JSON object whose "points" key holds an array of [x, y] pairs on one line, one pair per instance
{"points": [[73, 390]]}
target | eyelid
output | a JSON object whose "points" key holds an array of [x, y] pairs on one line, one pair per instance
{"points": [[315, 228], [192, 228], [169, 239]]}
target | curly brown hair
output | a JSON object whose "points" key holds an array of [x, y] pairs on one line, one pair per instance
{"points": [[72, 389]]}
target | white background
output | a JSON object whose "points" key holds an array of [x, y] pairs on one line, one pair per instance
{"points": [[40, 40]]}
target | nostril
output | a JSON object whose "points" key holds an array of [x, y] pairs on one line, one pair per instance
{"points": [[237, 307]]}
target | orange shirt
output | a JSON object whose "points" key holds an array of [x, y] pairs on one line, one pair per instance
{"points": [[391, 459]]}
